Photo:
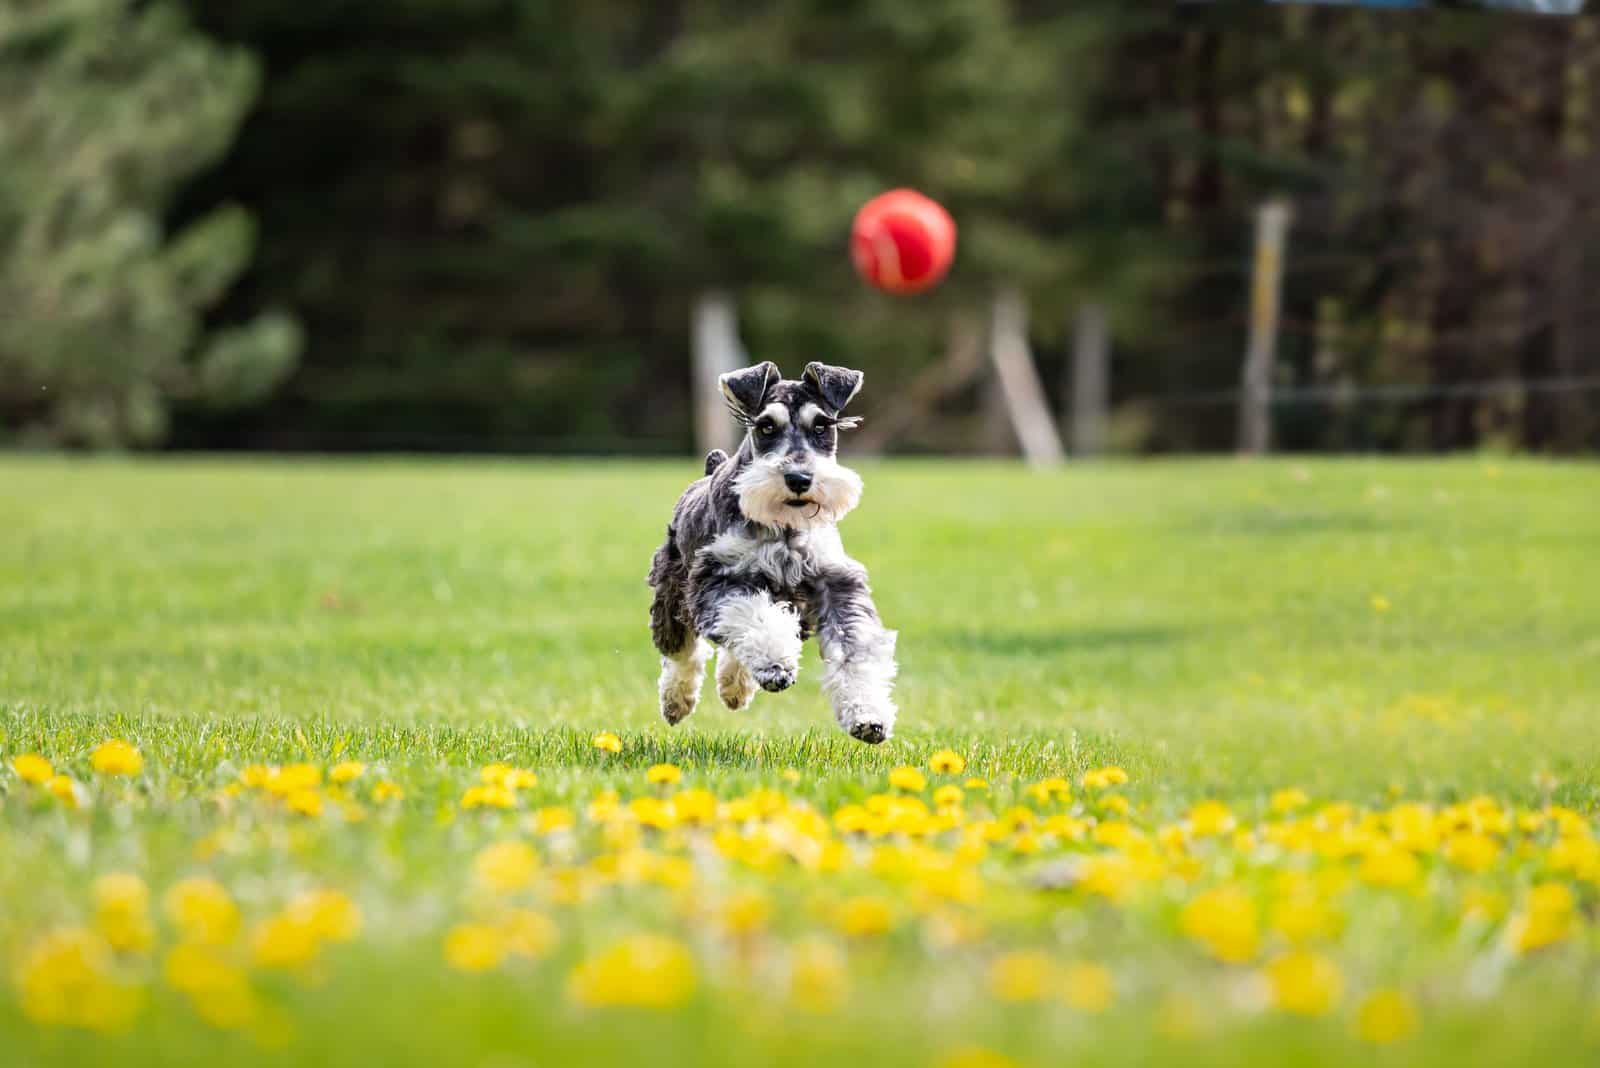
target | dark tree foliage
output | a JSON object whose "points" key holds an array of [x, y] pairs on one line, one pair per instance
{"points": [[493, 216]]}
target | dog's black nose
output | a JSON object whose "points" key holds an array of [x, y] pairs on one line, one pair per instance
{"points": [[797, 481]]}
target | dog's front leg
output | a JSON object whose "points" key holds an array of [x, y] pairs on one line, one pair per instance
{"points": [[857, 656], [762, 634]]}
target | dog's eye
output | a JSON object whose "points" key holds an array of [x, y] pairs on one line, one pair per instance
{"points": [[821, 430], [766, 428]]}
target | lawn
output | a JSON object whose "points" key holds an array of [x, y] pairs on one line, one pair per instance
{"points": [[1353, 702]]}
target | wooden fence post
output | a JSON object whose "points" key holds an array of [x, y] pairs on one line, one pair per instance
{"points": [[1091, 379], [1019, 380], [715, 351], [1266, 287]]}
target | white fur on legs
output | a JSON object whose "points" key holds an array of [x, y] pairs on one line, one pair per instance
{"points": [[859, 680], [764, 636], [735, 685], [680, 680]]}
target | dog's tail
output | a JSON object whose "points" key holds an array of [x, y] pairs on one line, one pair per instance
{"points": [[714, 460]]}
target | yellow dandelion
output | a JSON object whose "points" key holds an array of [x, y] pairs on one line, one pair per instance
{"points": [[1224, 921], [346, 771], [978, 1058], [647, 971], [864, 917], [1386, 1016], [745, 913], [305, 802], [1546, 918], [607, 742], [387, 791], [1474, 852], [63, 789], [284, 940], [1390, 866], [1047, 790], [330, 914], [116, 757], [1087, 987], [529, 934], [64, 979], [664, 775], [976, 784], [1100, 778], [1380, 603], [488, 797], [1305, 984], [506, 867], [122, 912], [1024, 975], [1288, 800], [908, 779], [474, 947], [948, 796], [1210, 818], [202, 911], [947, 762], [32, 768]]}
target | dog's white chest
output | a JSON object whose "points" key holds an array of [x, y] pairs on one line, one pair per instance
{"points": [[784, 558]]}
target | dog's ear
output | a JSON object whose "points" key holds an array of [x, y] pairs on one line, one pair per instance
{"points": [[746, 388], [836, 385]]}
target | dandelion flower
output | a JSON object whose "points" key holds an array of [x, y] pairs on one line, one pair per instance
{"points": [[346, 771], [116, 757], [1380, 603], [1224, 921], [506, 867], [64, 979], [1386, 1016], [1100, 778], [529, 934], [976, 784], [1305, 984], [305, 803], [1209, 818], [1024, 975], [978, 1058], [202, 911], [488, 797], [1087, 987], [32, 768], [1288, 800], [474, 947], [948, 795], [122, 912], [647, 971], [607, 742], [864, 917], [63, 789], [947, 762], [1546, 918], [909, 779], [664, 775], [386, 791]]}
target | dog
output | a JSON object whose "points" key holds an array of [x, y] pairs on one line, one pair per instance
{"points": [[753, 564]]}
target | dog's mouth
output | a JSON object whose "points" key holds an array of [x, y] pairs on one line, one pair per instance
{"points": [[796, 502]]}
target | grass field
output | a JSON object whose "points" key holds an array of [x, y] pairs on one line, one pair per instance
{"points": [[1354, 702]]}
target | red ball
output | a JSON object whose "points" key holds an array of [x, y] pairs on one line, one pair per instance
{"points": [[902, 242]]}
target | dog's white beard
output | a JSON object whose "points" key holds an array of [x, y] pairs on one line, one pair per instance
{"points": [[835, 490]]}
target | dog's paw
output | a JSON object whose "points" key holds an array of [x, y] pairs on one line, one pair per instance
{"points": [[676, 710], [774, 678], [870, 731]]}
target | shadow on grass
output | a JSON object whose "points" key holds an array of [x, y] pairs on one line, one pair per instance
{"points": [[996, 642]]}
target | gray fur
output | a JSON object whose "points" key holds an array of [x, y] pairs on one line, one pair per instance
{"points": [[755, 574]]}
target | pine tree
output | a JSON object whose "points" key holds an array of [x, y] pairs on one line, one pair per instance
{"points": [[106, 106]]}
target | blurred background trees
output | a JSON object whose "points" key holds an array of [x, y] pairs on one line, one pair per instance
{"points": [[106, 107], [494, 216]]}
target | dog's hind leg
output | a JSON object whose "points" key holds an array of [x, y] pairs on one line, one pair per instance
{"points": [[683, 653], [735, 685], [681, 676]]}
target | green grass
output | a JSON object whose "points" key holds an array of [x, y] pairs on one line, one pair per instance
{"points": [[1209, 626]]}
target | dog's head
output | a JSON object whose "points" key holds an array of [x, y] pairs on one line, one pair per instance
{"points": [[793, 478]]}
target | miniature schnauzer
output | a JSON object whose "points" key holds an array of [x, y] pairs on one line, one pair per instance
{"points": [[753, 562]]}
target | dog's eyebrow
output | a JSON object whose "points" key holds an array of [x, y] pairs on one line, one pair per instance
{"points": [[810, 413], [777, 412]]}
